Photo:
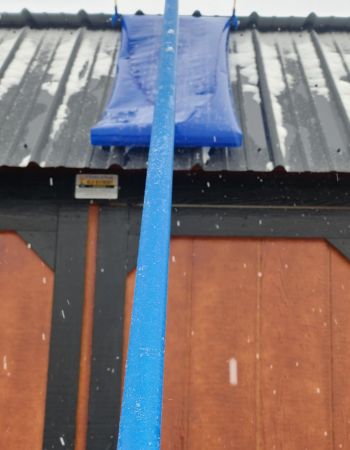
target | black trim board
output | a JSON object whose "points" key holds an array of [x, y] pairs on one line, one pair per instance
{"points": [[43, 243], [28, 215], [64, 360], [19, 187], [35, 222], [313, 223], [105, 387], [342, 245], [255, 222]]}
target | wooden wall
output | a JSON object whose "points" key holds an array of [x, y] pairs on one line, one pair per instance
{"points": [[276, 309], [279, 310], [26, 285]]}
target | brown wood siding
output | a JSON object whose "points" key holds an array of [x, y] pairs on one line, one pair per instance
{"points": [[25, 311], [280, 309]]}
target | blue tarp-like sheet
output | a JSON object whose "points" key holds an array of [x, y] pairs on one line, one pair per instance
{"points": [[205, 114]]}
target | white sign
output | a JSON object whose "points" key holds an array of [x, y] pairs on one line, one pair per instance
{"points": [[104, 187]]}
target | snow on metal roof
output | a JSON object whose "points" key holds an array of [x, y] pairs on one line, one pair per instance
{"points": [[290, 77]]}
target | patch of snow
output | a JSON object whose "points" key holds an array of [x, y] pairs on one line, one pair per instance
{"points": [[269, 166], [76, 82], [80, 71], [312, 66], [59, 64], [106, 56], [6, 46], [25, 161], [277, 87], [205, 155], [244, 61], [336, 63]]}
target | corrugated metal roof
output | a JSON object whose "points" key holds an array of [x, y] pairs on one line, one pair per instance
{"points": [[291, 84]]}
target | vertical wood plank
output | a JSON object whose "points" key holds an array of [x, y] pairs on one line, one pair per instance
{"points": [[176, 373], [25, 310], [224, 292], [340, 276], [295, 359]]}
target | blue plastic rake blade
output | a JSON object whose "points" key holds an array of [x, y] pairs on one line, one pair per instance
{"points": [[205, 113], [140, 424]]}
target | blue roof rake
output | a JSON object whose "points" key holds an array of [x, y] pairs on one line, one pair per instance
{"points": [[205, 114], [142, 111]]}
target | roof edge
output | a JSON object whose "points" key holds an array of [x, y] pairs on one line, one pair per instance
{"points": [[25, 18]]}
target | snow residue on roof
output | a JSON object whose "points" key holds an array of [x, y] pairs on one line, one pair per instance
{"points": [[206, 155], [244, 61], [312, 66], [58, 65], [85, 66], [18, 66], [77, 81], [106, 56], [6, 45], [277, 86], [24, 162], [338, 63]]}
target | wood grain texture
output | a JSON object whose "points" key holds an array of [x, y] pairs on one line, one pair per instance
{"points": [[25, 311], [295, 346], [224, 289], [176, 394]]}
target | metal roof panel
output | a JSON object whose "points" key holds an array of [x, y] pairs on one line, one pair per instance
{"points": [[291, 85]]}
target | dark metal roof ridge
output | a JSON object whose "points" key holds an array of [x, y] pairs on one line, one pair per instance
{"points": [[103, 21]]}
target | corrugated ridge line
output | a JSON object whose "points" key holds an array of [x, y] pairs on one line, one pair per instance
{"points": [[330, 81], [4, 67], [271, 133], [5, 155], [103, 21], [341, 53], [257, 155], [237, 92], [331, 165], [12, 52], [76, 120], [29, 106], [96, 152], [248, 157], [238, 96], [300, 147], [43, 136]]}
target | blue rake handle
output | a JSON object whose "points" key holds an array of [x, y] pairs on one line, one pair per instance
{"points": [[140, 423]]}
